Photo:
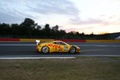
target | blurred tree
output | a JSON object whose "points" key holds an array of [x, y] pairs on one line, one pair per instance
{"points": [[5, 29], [29, 29], [27, 26], [62, 34], [46, 31], [55, 28], [15, 30], [77, 35]]}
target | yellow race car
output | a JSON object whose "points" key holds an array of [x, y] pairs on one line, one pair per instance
{"points": [[56, 46]]}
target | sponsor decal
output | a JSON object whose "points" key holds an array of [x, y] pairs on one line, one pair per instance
{"points": [[54, 45]]}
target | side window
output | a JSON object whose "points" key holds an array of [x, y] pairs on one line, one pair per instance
{"points": [[63, 43], [55, 42], [60, 43]]}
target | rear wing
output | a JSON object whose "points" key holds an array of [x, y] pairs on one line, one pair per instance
{"points": [[37, 42]]}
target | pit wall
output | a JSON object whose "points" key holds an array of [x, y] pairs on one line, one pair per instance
{"points": [[47, 40], [10, 39]]}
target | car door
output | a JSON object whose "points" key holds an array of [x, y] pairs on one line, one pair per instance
{"points": [[63, 47]]}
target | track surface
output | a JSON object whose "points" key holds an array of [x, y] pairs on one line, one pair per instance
{"points": [[22, 49]]}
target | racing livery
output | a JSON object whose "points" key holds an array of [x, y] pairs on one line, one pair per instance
{"points": [[56, 46]]}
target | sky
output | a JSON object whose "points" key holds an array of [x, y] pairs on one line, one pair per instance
{"points": [[88, 16]]}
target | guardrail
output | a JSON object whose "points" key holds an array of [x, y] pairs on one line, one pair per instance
{"points": [[47, 40], [72, 40], [34, 40]]}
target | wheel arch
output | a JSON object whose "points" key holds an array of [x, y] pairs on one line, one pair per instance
{"points": [[45, 46], [71, 47]]}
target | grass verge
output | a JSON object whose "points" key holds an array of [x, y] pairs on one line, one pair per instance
{"points": [[80, 68]]}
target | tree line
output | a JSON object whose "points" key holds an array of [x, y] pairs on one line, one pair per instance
{"points": [[29, 29]]}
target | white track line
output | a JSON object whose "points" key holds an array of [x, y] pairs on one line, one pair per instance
{"points": [[101, 55], [3, 58], [36, 57]]}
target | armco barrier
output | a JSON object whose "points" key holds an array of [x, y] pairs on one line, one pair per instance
{"points": [[34, 40], [72, 40], [9, 39]]}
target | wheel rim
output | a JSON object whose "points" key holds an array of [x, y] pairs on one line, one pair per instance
{"points": [[45, 50], [72, 50]]}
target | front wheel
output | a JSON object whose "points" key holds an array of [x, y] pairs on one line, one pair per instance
{"points": [[72, 50], [45, 49]]}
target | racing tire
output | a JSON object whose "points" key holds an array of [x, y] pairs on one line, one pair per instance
{"points": [[72, 50], [45, 49]]}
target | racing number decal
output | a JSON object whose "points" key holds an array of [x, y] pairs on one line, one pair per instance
{"points": [[65, 47]]}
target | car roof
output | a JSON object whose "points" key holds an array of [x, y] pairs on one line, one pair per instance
{"points": [[57, 41]]}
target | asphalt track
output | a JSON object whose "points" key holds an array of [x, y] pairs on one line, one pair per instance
{"points": [[23, 49]]}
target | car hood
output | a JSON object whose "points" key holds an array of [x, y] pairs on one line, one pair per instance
{"points": [[76, 46]]}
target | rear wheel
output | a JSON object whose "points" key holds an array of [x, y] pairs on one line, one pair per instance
{"points": [[45, 49], [72, 50]]}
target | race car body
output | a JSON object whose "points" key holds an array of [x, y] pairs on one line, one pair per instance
{"points": [[56, 46]]}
